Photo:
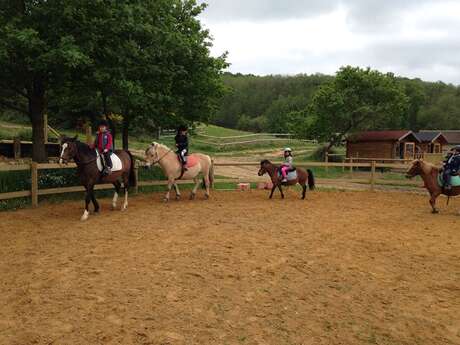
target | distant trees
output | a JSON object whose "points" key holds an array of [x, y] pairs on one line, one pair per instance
{"points": [[357, 99], [321, 107], [147, 60]]}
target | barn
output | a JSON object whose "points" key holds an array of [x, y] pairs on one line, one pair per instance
{"points": [[401, 144], [452, 137]]}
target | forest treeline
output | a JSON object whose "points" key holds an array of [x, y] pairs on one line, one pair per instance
{"points": [[282, 103]]}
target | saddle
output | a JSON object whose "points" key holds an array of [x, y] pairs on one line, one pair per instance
{"points": [[291, 174], [454, 180], [116, 162], [192, 160]]}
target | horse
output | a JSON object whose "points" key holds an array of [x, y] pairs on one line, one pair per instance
{"points": [[169, 162], [430, 176], [303, 177], [87, 169]]}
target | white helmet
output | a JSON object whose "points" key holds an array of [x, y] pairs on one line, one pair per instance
{"points": [[287, 149]]}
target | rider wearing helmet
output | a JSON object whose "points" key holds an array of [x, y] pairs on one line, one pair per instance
{"points": [[104, 144], [451, 166], [287, 165], [182, 145]]}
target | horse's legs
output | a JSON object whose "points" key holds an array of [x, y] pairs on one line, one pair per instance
{"points": [[176, 189], [281, 191], [273, 189], [95, 203], [125, 203], [117, 186], [433, 203], [304, 190], [197, 184], [168, 193], [88, 198], [206, 185]]}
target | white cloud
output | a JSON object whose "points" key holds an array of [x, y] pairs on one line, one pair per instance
{"points": [[416, 39]]}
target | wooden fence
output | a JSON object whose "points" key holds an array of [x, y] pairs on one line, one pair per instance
{"points": [[35, 191]]}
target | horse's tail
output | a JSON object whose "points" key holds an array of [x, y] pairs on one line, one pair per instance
{"points": [[210, 174], [132, 174], [311, 179]]}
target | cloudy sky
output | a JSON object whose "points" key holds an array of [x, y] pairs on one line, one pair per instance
{"points": [[414, 38]]}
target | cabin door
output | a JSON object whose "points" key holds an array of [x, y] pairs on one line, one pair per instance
{"points": [[409, 150]]}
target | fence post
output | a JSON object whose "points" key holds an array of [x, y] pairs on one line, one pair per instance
{"points": [[211, 173], [17, 148], [34, 183], [89, 135], [45, 127], [326, 160], [136, 176], [351, 167], [373, 164]]}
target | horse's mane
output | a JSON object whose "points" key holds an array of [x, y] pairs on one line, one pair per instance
{"points": [[84, 148], [426, 166], [265, 161], [164, 147]]}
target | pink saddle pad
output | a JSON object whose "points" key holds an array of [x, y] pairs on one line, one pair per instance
{"points": [[192, 160]]}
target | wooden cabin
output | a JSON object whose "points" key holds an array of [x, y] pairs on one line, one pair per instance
{"points": [[387, 145], [432, 142], [452, 137]]}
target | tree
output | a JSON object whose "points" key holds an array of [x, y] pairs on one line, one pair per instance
{"points": [[38, 50], [357, 99]]}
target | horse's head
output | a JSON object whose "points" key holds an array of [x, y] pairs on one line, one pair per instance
{"points": [[68, 149], [264, 165], [415, 169], [151, 154]]}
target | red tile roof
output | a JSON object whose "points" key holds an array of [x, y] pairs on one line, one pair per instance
{"points": [[381, 136]]}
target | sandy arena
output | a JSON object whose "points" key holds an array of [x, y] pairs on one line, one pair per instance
{"points": [[338, 268]]}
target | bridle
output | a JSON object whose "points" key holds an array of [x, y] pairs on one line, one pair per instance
{"points": [[75, 158], [161, 158]]}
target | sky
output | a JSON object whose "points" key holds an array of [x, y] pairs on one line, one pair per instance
{"points": [[412, 38]]}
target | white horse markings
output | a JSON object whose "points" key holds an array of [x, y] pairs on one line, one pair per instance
{"points": [[64, 147]]}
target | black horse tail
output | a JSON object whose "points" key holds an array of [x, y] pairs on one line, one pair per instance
{"points": [[311, 179], [132, 174]]}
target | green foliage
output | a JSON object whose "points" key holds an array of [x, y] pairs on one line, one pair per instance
{"points": [[357, 99]]}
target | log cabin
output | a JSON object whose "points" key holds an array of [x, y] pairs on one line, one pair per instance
{"points": [[402, 144]]}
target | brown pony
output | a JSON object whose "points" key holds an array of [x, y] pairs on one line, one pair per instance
{"points": [[429, 174], [89, 174], [303, 177]]}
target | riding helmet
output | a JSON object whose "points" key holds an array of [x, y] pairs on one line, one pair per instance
{"points": [[182, 128], [287, 149], [103, 123]]}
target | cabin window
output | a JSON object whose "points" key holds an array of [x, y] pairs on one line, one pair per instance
{"points": [[409, 150], [436, 148]]}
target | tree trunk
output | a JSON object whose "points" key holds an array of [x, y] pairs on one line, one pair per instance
{"points": [[37, 109], [125, 134]]}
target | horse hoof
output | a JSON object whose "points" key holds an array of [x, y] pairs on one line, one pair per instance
{"points": [[165, 199], [206, 196], [84, 216], [435, 211], [177, 197], [192, 196]]}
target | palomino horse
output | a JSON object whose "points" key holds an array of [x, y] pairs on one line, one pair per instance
{"points": [[88, 171], [303, 177], [430, 175], [171, 166]]}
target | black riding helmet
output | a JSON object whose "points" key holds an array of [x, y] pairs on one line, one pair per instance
{"points": [[182, 128], [103, 123]]}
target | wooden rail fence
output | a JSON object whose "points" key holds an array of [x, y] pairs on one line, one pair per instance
{"points": [[35, 191]]}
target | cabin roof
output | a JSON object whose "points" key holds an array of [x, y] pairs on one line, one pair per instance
{"points": [[382, 136], [452, 136], [431, 137]]}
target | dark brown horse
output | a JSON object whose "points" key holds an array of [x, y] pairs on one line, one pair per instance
{"points": [[89, 174], [303, 177], [429, 174]]}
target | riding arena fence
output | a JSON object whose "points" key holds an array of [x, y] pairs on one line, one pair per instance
{"points": [[369, 168]]}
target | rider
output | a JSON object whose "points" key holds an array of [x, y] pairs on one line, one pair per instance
{"points": [[287, 165], [104, 144], [451, 166], [182, 146]]}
